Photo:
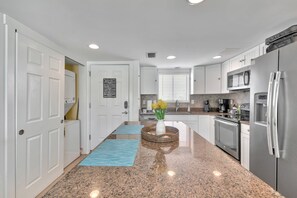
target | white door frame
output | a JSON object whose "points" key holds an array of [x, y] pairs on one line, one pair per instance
{"points": [[134, 92]]}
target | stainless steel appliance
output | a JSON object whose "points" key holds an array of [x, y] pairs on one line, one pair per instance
{"points": [[239, 79], [223, 105], [273, 135], [206, 106], [227, 134]]}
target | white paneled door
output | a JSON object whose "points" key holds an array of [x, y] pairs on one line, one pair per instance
{"points": [[40, 112], [109, 100]]}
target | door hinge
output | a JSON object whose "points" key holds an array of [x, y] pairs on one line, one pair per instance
{"points": [[90, 137], [90, 105], [90, 73]]}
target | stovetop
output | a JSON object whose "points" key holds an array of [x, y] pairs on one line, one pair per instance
{"points": [[233, 118]]}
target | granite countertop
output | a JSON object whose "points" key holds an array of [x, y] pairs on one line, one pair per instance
{"points": [[191, 167]]}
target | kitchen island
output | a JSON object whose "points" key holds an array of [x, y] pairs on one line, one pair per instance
{"points": [[191, 167]]}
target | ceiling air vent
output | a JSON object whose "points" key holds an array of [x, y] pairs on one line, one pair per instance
{"points": [[151, 55]]}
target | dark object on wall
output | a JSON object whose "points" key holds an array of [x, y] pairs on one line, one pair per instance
{"points": [[109, 87], [282, 39]]}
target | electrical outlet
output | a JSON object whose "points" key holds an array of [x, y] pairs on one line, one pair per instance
{"points": [[192, 101]]}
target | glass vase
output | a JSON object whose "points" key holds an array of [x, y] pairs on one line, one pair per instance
{"points": [[160, 127]]}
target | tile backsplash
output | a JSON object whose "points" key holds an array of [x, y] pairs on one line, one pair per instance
{"points": [[238, 97]]}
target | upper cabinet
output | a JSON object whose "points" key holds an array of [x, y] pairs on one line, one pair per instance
{"points": [[237, 62], [224, 79], [207, 79], [213, 79], [245, 58], [250, 55], [148, 80], [199, 80], [262, 49]]}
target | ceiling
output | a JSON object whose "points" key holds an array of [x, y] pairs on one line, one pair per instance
{"points": [[127, 29]]}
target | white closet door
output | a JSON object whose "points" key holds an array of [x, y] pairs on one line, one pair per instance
{"points": [[40, 107]]}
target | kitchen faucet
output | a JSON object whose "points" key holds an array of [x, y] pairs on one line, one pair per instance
{"points": [[176, 105]]}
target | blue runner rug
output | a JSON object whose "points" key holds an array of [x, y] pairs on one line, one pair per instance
{"points": [[128, 130], [113, 153]]}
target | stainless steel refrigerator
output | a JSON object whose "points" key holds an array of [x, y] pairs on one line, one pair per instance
{"points": [[273, 133]]}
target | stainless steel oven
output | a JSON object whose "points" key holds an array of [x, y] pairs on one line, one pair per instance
{"points": [[227, 135]]}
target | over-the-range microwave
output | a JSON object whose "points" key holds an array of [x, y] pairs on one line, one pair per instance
{"points": [[239, 79]]}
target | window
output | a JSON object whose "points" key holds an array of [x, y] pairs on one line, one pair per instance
{"points": [[174, 84]]}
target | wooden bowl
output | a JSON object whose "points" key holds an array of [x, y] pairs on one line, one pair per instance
{"points": [[149, 134]]}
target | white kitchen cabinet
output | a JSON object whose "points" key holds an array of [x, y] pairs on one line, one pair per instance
{"points": [[203, 126], [148, 80], [245, 146], [211, 129], [244, 59], [250, 55], [237, 62], [189, 120], [213, 79], [224, 78], [199, 80], [71, 141], [262, 49]]}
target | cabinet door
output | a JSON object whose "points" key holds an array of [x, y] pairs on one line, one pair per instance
{"points": [[199, 80], [148, 80], [251, 54], [213, 79], [237, 62], [245, 146], [224, 78], [245, 150], [203, 126], [211, 130], [263, 47]]}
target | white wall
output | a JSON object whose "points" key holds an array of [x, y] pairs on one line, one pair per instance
{"points": [[2, 111]]}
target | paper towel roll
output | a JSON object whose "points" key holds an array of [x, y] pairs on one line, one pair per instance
{"points": [[149, 105]]}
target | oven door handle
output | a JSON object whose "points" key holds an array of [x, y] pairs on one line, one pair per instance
{"points": [[226, 122]]}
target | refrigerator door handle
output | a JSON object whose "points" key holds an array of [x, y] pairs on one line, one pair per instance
{"points": [[275, 118], [269, 113]]}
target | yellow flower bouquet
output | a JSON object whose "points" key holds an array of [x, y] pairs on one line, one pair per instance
{"points": [[160, 109]]}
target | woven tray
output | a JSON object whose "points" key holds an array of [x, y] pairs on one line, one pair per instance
{"points": [[149, 134]]}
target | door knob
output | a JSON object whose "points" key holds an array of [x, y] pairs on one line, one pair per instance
{"points": [[21, 132], [125, 112]]}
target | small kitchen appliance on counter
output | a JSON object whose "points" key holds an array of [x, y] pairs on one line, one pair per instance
{"points": [[223, 105], [206, 106]]}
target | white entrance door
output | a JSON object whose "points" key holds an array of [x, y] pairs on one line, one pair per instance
{"points": [[109, 100], [40, 108]]}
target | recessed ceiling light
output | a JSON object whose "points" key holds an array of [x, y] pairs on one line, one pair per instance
{"points": [[93, 46], [193, 2], [217, 57], [171, 57]]}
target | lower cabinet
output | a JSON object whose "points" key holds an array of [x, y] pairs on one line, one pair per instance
{"points": [[71, 141], [201, 124], [245, 146]]}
